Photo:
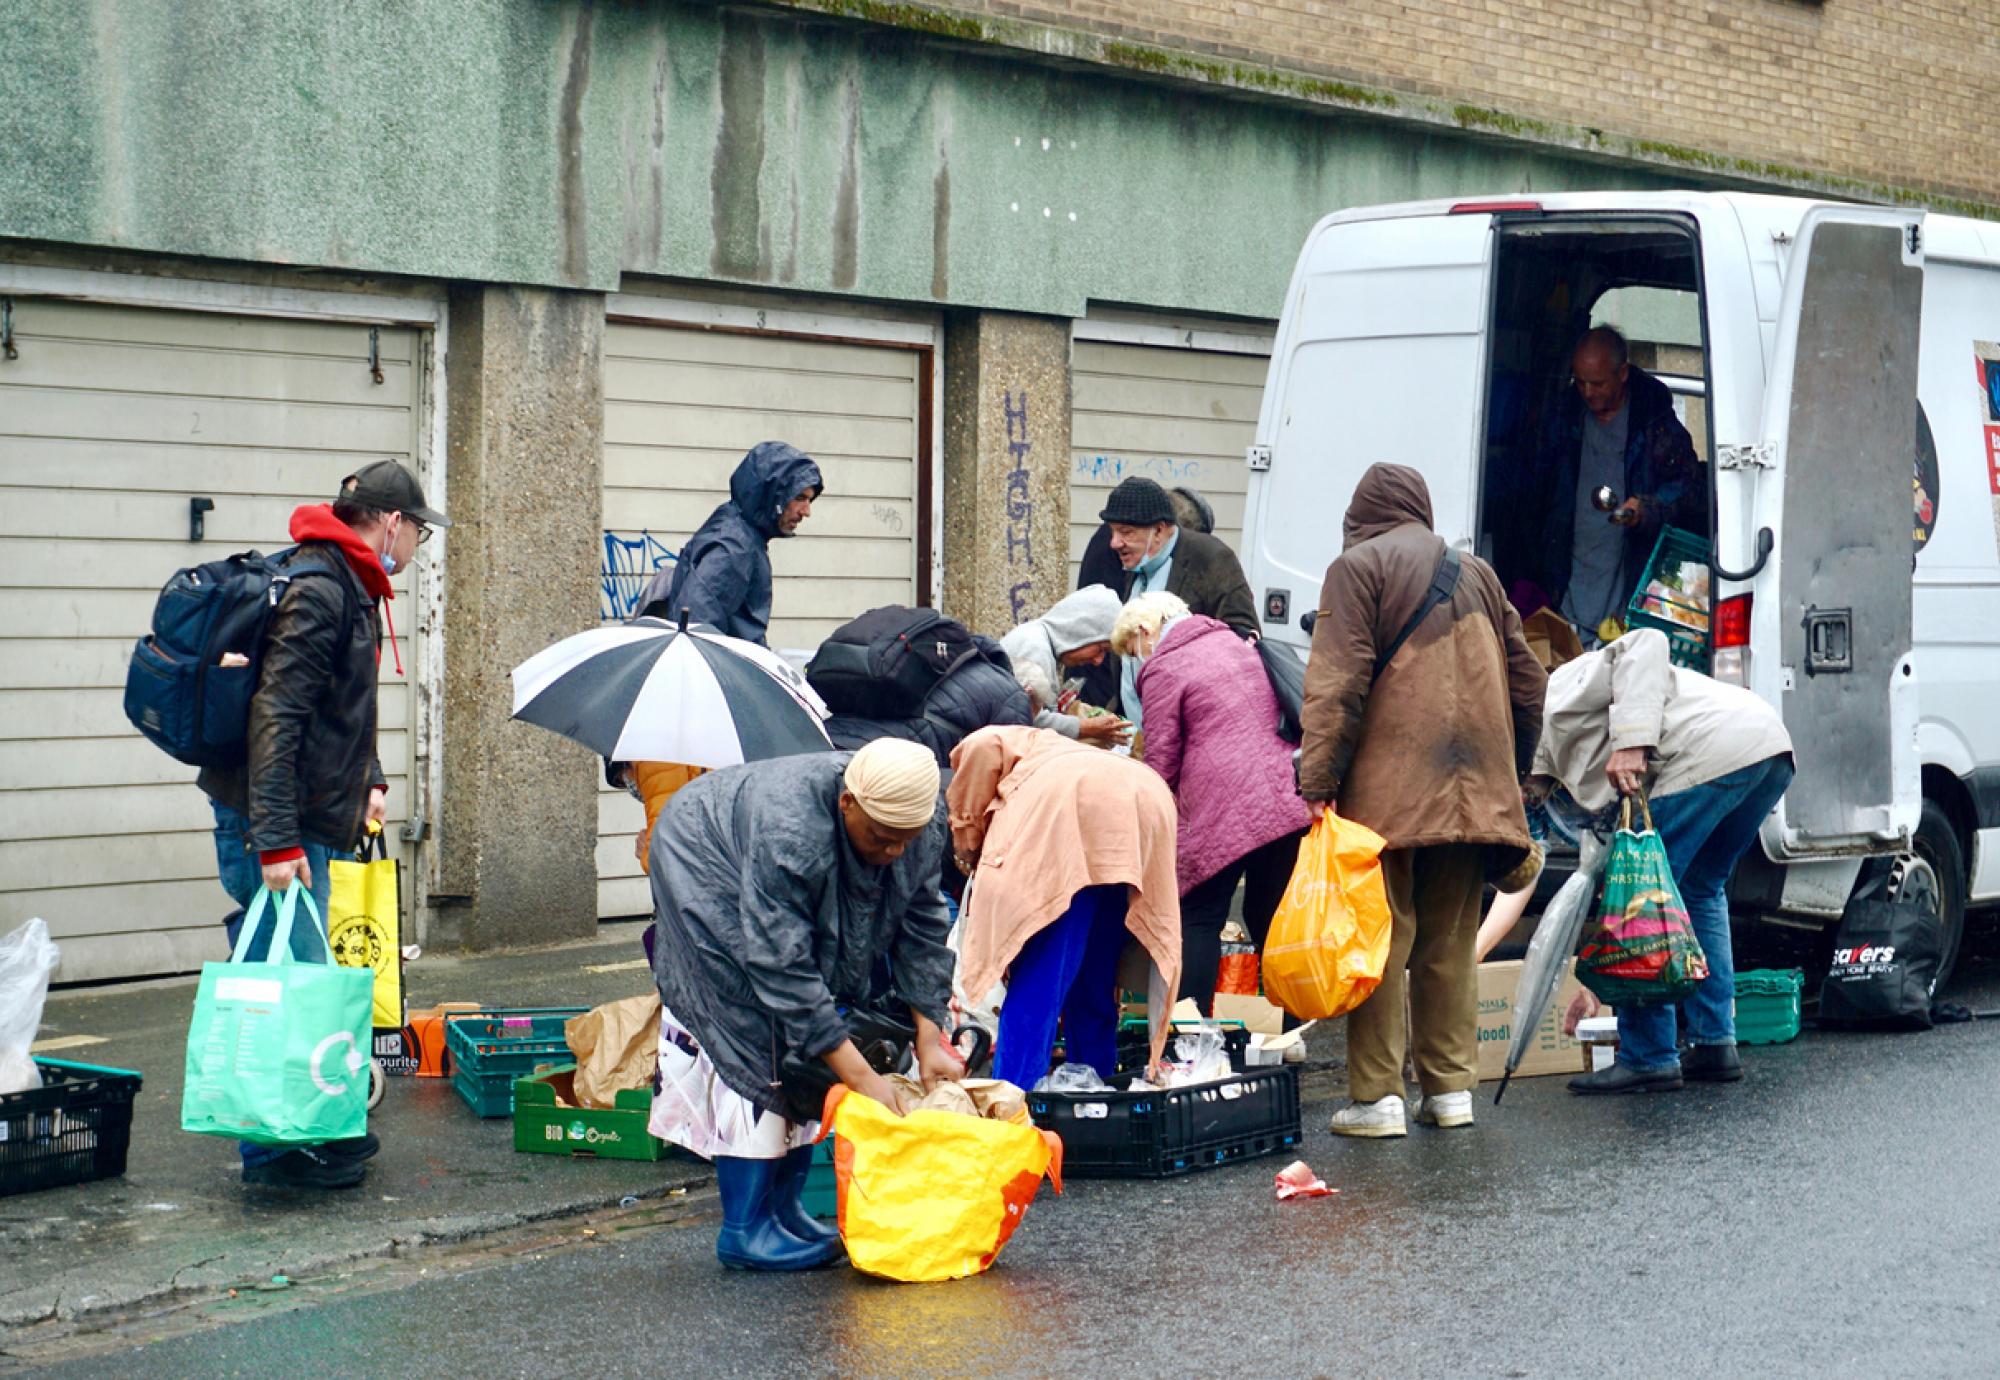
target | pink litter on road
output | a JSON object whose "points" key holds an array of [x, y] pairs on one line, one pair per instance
{"points": [[1296, 1180]]}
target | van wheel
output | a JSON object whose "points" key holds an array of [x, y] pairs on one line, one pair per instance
{"points": [[1932, 876]]}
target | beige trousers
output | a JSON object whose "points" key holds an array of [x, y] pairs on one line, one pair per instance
{"points": [[1434, 896]]}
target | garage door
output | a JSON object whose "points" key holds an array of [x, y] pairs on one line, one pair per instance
{"points": [[111, 420], [681, 406], [1179, 416]]}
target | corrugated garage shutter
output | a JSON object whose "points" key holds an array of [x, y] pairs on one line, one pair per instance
{"points": [[681, 406], [1179, 416], [111, 419]]}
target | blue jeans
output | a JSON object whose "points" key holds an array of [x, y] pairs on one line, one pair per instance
{"points": [[1705, 831], [241, 874], [1069, 969]]}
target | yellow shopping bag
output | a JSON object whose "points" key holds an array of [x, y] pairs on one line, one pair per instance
{"points": [[1329, 940], [363, 925], [932, 1195]]}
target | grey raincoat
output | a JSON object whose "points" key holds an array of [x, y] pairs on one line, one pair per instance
{"points": [[766, 921], [723, 575]]}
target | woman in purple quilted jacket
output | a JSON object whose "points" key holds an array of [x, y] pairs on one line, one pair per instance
{"points": [[1212, 732]]}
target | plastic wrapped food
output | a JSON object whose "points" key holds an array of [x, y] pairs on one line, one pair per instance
{"points": [[1072, 1078]]}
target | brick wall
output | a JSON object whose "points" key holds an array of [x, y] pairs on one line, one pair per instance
{"points": [[1895, 92]]}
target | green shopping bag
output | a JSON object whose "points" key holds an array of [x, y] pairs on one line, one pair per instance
{"points": [[1641, 950], [278, 1051]]}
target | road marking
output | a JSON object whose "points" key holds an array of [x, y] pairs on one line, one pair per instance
{"points": [[631, 966], [50, 1046]]}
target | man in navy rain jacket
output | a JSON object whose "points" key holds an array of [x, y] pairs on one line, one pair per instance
{"points": [[723, 575]]}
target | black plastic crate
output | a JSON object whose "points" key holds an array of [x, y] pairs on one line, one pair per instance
{"points": [[1158, 1134], [74, 1128], [1135, 1043]]}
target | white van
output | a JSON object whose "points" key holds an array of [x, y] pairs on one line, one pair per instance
{"points": [[1804, 341]]}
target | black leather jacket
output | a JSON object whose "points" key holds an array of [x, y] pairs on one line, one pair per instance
{"points": [[312, 721]]}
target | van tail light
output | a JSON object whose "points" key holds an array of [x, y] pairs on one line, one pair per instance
{"points": [[1732, 640], [1732, 622], [1470, 208]]}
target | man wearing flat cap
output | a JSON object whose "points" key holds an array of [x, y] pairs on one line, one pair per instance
{"points": [[1156, 553], [786, 895], [311, 779]]}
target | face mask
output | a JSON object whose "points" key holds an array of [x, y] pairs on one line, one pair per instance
{"points": [[388, 557], [1150, 563]]}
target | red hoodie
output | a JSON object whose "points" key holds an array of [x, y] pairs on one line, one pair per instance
{"points": [[316, 522]]}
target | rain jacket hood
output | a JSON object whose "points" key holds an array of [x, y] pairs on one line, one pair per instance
{"points": [[769, 477], [722, 577], [1387, 497]]}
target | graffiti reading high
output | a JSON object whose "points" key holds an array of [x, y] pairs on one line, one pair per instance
{"points": [[1020, 505]]}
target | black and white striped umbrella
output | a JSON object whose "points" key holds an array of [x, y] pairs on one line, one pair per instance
{"points": [[648, 691]]}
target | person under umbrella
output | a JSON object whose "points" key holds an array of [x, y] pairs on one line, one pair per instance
{"points": [[661, 702], [781, 890]]}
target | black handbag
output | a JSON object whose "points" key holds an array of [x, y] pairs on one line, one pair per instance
{"points": [[804, 1081], [1885, 965]]}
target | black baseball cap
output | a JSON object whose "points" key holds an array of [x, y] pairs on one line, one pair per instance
{"points": [[388, 486]]}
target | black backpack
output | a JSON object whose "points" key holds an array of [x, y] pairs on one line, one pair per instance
{"points": [[1885, 964], [884, 664], [177, 692]]}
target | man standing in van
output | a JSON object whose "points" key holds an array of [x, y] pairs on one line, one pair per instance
{"points": [[1617, 431]]}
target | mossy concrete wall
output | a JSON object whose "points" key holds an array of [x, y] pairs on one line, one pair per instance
{"points": [[568, 143], [517, 815]]}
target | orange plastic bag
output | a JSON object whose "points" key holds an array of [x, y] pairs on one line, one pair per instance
{"points": [[1329, 940], [932, 1195], [1236, 975]]}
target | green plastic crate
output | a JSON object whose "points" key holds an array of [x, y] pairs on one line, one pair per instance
{"points": [[822, 1197], [1767, 1005], [490, 1049], [1686, 646], [541, 1127]]}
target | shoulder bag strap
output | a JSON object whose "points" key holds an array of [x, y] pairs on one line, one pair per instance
{"points": [[1443, 581]]}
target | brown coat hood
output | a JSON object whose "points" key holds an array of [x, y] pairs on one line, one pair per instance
{"points": [[1432, 751], [1387, 497]]}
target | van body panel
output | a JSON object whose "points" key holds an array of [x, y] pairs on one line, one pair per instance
{"points": [[1835, 600], [1384, 347]]}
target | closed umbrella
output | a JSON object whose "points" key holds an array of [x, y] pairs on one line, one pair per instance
{"points": [[652, 691], [1553, 945]]}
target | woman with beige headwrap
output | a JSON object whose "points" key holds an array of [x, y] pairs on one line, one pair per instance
{"points": [[780, 890], [1071, 852]]}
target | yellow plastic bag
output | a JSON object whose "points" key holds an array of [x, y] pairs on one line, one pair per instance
{"points": [[1329, 940], [363, 926], [932, 1195]]}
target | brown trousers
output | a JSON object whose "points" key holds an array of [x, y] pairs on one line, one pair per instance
{"points": [[1434, 896]]}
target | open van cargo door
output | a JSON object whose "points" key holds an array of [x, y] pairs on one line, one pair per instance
{"points": [[1839, 420], [1382, 359]]}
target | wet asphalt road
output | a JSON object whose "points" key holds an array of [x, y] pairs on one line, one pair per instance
{"points": [[1836, 1214]]}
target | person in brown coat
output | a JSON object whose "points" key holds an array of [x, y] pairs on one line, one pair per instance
{"points": [[1425, 743]]}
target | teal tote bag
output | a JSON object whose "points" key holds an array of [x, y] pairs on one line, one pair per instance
{"points": [[278, 1050]]}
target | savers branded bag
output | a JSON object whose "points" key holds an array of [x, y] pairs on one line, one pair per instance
{"points": [[1885, 965], [277, 1053], [932, 1195], [363, 919], [1641, 950], [1329, 940]]}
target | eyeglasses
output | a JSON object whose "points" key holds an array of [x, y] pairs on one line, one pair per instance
{"points": [[423, 532]]}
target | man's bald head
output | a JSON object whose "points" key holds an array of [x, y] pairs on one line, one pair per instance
{"points": [[1601, 366]]}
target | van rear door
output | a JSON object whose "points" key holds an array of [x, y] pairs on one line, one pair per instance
{"points": [[1381, 357], [1834, 602]]}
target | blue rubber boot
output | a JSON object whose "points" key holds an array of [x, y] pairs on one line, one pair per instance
{"points": [[751, 1238], [788, 1199]]}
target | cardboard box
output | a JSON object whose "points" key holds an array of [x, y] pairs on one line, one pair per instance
{"points": [[1550, 1051], [1551, 638]]}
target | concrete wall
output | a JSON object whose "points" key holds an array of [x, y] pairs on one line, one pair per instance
{"points": [[1876, 100], [564, 143]]}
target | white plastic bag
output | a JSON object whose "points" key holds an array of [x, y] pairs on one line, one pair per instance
{"points": [[27, 957]]}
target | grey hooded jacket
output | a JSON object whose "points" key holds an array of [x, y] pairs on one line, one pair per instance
{"points": [[766, 922], [723, 575]]}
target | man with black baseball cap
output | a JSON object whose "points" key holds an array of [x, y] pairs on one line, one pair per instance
{"points": [[311, 780]]}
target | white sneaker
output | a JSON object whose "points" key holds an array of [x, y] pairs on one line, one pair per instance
{"points": [[1372, 1119], [1445, 1110]]}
